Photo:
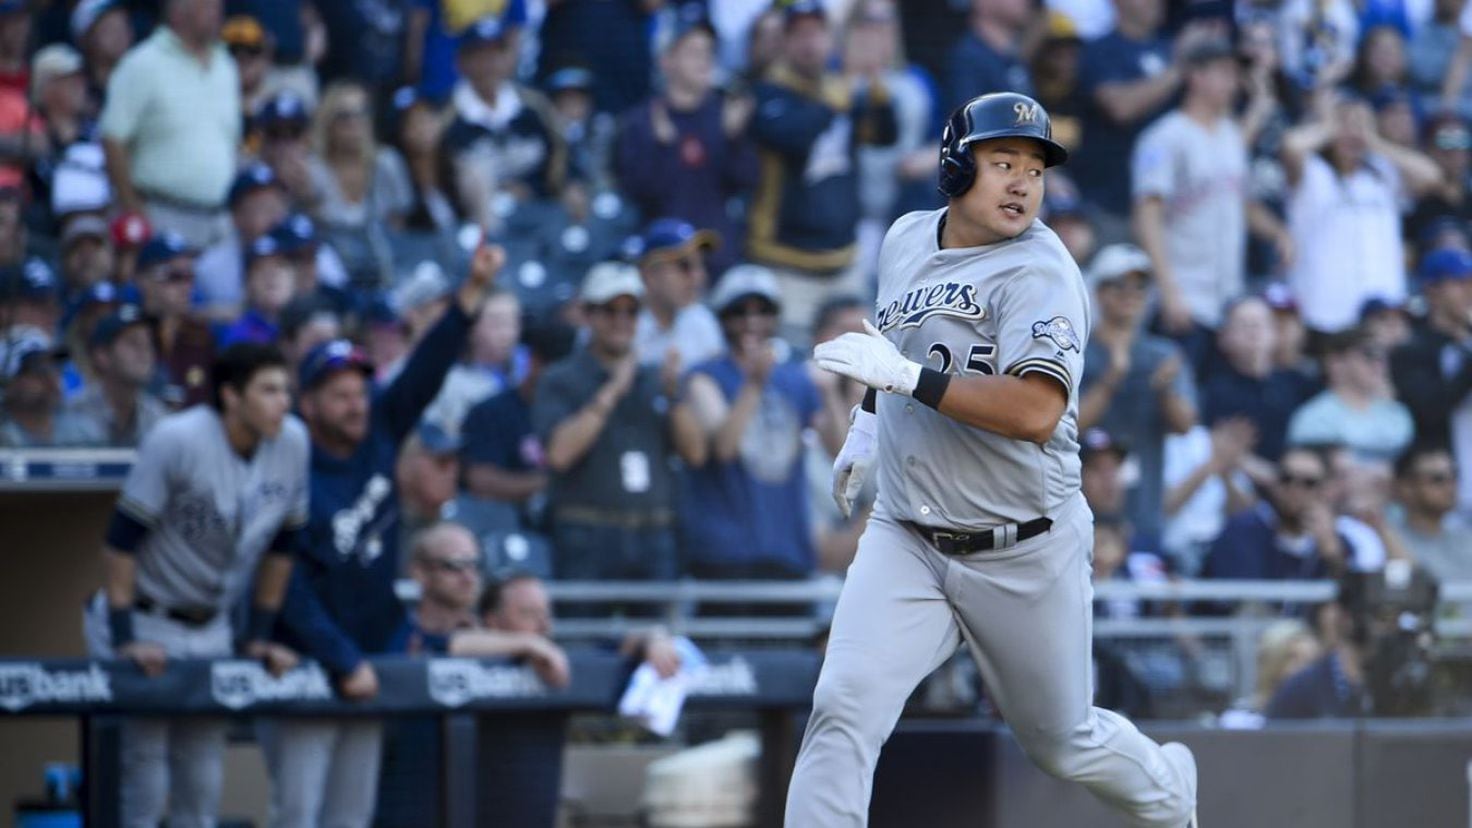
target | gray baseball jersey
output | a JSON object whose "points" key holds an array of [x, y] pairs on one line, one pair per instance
{"points": [[211, 513], [1015, 307]]}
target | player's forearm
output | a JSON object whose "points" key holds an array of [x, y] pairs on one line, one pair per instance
{"points": [[572, 438], [489, 644], [1418, 171], [1020, 408], [271, 579], [120, 573]]}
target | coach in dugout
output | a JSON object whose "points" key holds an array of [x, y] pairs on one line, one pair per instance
{"points": [[215, 490], [341, 606]]}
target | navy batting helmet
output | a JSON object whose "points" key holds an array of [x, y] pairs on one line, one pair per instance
{"points": [[994, 115]]}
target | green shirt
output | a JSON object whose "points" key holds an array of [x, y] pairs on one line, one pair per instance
{"points": [[178, 118]]}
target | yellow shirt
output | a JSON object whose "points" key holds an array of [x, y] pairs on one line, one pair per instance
{"points": [[178, 118]]}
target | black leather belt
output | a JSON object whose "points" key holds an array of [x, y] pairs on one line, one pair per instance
{"points": [[189, 616], [965, 543]]}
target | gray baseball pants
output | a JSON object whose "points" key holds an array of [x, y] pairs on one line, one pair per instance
{"points": [[324, 772], [170, 767], [1025, 611]]}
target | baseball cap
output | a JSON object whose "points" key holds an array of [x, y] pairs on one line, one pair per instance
{"points": [[427, 284], [437, 440], [1379, 304], [1098, 441], [690, 17], [87, 13], [569, 79], [101, 293], [667, 235], [296, 234], [743, 281], [264, 247], [55, 61], [485, 31], [1116, 261], [302, 311], [1061, 27], [607, 281], [327, 359], [110, 327], [23, 352], [380, 311], [285, 108], [242, 31], [82, 227], [1446, 263], [164, 247], [32, 280], [798, 9], [255, 176], [1280, 297]]}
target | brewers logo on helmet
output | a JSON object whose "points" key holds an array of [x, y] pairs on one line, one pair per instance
{"points": [[994, 115]]}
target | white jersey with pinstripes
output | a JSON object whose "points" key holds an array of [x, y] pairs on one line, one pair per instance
{"points": [[211, 513], [1015, 307]]}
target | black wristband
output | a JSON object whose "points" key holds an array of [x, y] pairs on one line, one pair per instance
{"points": [[262, 624], [120, 625], [931, 387], [871, 401]]}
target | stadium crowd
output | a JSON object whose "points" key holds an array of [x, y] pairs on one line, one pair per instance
{"points": [[1269, 200]]}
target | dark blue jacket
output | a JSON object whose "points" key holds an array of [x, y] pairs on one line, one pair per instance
{"points": [[1247, 549], [1319, 691], [806, 209], [693, 177], [341, 603], [975, 68]]}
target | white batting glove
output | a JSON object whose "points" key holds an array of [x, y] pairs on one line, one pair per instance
{"points": [[851, 467], [869, 358]]}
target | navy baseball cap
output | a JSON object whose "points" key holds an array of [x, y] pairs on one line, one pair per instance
{"points": [[1379, 304], [798, 9], [22, 354], [164, 247], [297, 234], [487, 30], [283, 109], [1446, 263], [327, 359], [569, 79], [32, 280], [691, 17], [666, 235], [263, 248], [1098, 441], [255, 176], [110, 327], [380, 311]]}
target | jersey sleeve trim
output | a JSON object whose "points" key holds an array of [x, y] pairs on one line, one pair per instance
{"points": [[1056, 370], [137, 511], [125, 533]]}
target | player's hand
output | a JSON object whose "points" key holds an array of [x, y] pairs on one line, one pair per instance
{"points": [[149, 657], [870, 359], [1165, 373], [549, 662], [851, 467], [276, 658], [360, 684]]}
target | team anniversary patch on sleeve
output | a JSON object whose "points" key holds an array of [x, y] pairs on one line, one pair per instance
{"points": [[1060, 330]]}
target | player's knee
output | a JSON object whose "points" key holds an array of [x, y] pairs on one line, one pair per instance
{"points": [[843, 696], [1053, 752]]}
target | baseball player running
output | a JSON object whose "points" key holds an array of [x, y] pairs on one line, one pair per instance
{"points": [[209, 515], [980, 533]]}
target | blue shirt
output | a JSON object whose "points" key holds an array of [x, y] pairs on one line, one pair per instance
{"points": [[341, 603], [1319, 691], [250, 327], [1269, 403], [1101, 164], [1250, 548], [975, 68], [753, 510], [498, 431]]}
